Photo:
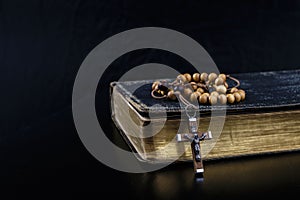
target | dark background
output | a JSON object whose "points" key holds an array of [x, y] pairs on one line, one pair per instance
{"points": [[42, 45]]}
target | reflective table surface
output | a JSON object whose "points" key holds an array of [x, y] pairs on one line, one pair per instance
{"points": [[49, 158]]}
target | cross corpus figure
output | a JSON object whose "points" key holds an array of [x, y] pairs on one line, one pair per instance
{"points": [[195, 137]]}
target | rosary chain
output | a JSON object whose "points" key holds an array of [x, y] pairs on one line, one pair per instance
{"points": [[202, 88]]}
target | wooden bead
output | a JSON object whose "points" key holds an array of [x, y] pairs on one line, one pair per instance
{"points": [[214, 93], [194, 96], [223, 76], [237, 97], [221, 89], [222, 99], [200, 90], [212, 77], [213, 99], [155, 84], [194, 86], [242, 93], [181, 78], [196, 77], [203, 77], [207, 94], [219, 81], [230, 98], [203, 98], [171, 95], [233, 90], [188, 77]]}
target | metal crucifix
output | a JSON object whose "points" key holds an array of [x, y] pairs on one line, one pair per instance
{"points": [[195, 137]]}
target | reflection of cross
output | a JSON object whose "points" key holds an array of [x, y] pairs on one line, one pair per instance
{"points": [[195, 138]]}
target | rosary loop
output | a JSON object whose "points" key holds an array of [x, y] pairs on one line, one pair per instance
{"points": [[203, 88]]}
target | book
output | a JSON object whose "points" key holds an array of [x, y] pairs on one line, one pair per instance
{"points": [[267, 121]]}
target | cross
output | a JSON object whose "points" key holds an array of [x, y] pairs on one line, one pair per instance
{"points": [[195, 137]]}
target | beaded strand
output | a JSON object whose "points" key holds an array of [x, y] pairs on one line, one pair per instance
{"points": [[204, 88]]}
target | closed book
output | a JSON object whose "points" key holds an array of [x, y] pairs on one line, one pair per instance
{"points": [[267, 121]]}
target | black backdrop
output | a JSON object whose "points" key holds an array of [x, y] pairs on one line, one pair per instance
{"points": [[43, 43]]}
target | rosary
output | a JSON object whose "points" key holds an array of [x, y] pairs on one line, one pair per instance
{"points": [[201, 88]]}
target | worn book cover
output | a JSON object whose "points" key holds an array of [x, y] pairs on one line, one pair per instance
{"points": [[267, 121]]}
